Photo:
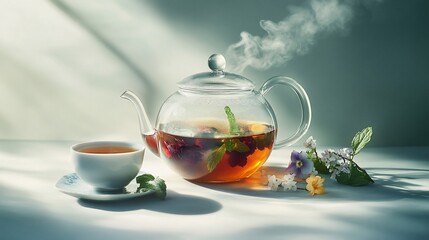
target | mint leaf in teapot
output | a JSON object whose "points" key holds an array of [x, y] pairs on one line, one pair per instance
{"points": [[229, 145], [148, 182], [240, 147], [236, 145], [233, 126], [215, 157]]}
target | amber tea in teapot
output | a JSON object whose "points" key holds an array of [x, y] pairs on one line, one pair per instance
{"points": [[191, 156]]}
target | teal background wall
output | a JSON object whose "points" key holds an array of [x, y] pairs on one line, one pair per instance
{"points": [[63, 65]]}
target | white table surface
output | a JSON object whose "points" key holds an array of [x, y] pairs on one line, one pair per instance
{"points": [[396, 207]]}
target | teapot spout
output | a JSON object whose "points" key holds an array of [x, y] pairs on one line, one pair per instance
{"points": [[145, 126], [146, 129]]}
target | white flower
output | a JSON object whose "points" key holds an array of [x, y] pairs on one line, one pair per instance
{"points": [[344, 167], [328, 153], [345, 153], [310, 143], [289, 177], [273, 182], [330, 157], [289, 186], [289, 183]]}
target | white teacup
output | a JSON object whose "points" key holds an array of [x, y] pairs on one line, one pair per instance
{"points": [[107, 165]]}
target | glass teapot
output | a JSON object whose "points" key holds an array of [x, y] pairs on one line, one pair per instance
{"points": [[217, 127]]}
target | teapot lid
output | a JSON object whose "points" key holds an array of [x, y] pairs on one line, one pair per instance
{"points": [[217, 80]]}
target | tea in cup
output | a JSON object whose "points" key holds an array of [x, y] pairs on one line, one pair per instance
{"points": [[107, 165]]}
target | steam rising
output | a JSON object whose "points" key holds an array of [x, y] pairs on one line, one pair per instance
{"points": [[290, 37]]}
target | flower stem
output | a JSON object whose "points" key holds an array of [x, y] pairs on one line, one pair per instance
{"points": [[348, 159], [317, 155]]}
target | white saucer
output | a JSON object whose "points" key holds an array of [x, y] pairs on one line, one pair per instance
{"points": [[72, 185]]}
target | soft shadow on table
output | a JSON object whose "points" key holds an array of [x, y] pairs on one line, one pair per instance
{"points": [[390, 184], [175, 203]]}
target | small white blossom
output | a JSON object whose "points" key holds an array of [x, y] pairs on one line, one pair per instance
{"points": [[345, 153], [289, 177], [329, 157], [273, 182], [344, 167], [288, 182], [310, 143], [328, 153], [289, 186]]}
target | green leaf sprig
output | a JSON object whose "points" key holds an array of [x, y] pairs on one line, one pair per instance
{"points": [[149, 183], [341, 164], [361, 139]]}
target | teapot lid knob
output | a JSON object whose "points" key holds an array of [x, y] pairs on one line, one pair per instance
{"points": [[217, 62]]}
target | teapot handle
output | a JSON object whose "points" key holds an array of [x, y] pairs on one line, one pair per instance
{"points": [[305, 107]]}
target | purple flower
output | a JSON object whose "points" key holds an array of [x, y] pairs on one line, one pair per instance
{"points": [[300, 165]]}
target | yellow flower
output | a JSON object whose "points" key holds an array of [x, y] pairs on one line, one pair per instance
{"points": [[315, 185]]}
